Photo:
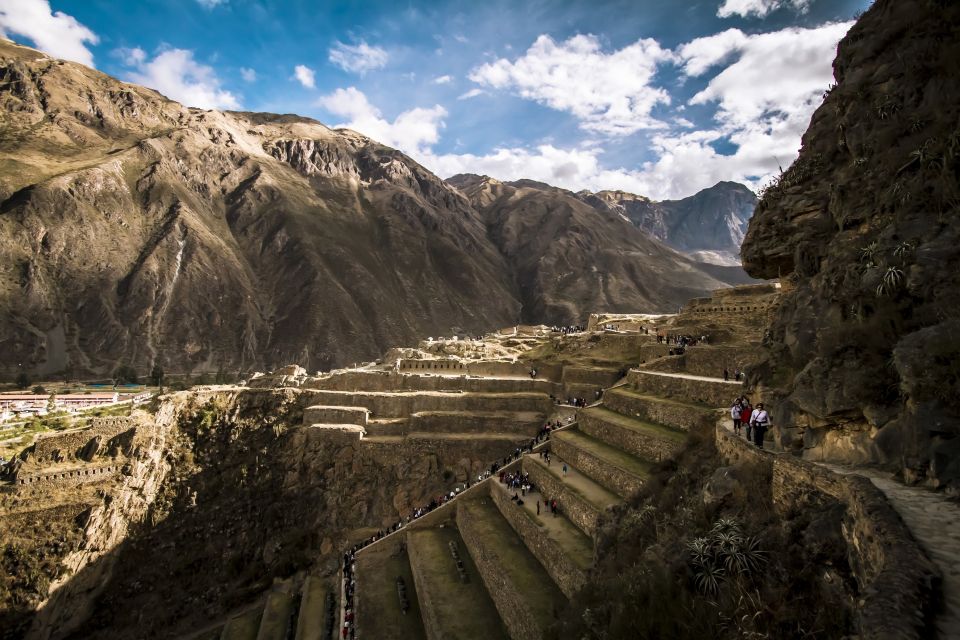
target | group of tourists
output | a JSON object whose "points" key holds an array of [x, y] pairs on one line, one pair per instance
{"points": [[737, 374], [681, 340], [755, 420], [576, 328]]}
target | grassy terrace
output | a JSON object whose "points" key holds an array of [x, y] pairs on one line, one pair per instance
{"points": [[378, 606], [243, 626], [463, 610], [541, 595], [699, 406], [509, 437], [609, 455], [576, 482], [639, 426], [575, 544]]}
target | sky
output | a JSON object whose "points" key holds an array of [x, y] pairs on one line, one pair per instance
{"points": [[657, 97]]}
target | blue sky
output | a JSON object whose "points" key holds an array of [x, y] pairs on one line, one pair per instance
{"points": [[661, 98]]}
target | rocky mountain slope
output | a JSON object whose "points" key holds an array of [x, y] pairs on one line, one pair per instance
{"points": [[569, 257], [863, 228], [136, 231], [709, 224]]}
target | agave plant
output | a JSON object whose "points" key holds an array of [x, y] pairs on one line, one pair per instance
{"points": [[708, 578], [903, 250], [892, 278], [868, 254]]}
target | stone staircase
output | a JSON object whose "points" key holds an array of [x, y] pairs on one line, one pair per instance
{"points": [[515, 566], [305, 612]]}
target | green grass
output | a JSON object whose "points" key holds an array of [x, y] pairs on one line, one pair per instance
{"points": [[312, 605], [576, 482], [575, 544], [243, 626], [650, 429], [531, 580], [378, 606], [608, 454], [463, 610]]}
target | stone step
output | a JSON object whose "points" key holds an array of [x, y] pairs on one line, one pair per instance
{"points": [[388, 404], [522, 591], [277, 615], [452, 606], [378, 613], [713, 392], [670, 412], [610, 467], [335, 415], [312, 619], [563, 550], [646, 440], [243, 626], [581, 500]]}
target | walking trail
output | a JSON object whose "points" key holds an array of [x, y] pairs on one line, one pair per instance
{"points": [[935, 522]]}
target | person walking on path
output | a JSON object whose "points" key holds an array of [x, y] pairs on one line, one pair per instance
{"points": [[745, 416], [564, 469], [538, 507], [760, 420], [726, 374], [735, 412]]}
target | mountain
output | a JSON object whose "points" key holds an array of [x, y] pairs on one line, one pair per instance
{"points": [[863, 353], [570, 258], [709, 224], [134, 230]]}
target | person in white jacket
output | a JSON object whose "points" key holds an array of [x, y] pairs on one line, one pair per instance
{"points": [[760, 421], [735, 412]]}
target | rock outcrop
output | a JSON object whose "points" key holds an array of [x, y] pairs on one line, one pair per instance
{"points": [[862, 228]]}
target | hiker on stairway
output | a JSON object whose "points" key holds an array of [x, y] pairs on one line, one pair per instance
{"points": [[736, 412], [745, 417], [760, 420]]}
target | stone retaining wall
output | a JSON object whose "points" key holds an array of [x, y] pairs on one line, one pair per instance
{"points": [[706, 360], [449, 366], [410, 380], [76, 443], [678, 416], [617, 480], [68, 477], [896, 579], [654, 350], [428, 606], [519, 423], [579, 511], [710, 393], [567, 575], [507, 597], [335, 415], [648, 447], [401, 404]]}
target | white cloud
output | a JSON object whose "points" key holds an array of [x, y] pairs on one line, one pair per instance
{"points": [[56, 33], [473, 93], [759, 8], [443, 80], [358, 58], [609, 93], [305, 76], [248, 75], [412, 131], [210, 4], [177, 75]]}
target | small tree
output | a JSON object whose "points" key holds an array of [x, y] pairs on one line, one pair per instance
{"points": [[39, 390], [23, 380], [156, 375]]}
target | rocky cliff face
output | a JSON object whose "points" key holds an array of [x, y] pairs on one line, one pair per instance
{"points": [[570, 258], [136, 231], [710, 224], [863, 228]]}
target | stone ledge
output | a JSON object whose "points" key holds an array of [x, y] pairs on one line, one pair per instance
{"points": [[576, 508], [709, 392], [642, 444], [659, 410], [613, 478]]}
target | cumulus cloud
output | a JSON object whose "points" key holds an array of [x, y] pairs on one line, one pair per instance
{"points": [[609, 93], [443, 80], [248, 75], [412, 131], [305, 76], [175, 73], [759, 8], [358, 58], [56, 33]]}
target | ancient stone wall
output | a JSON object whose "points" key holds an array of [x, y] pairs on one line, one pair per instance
{"points": [[712, 394], [65, 477], [658, 410], [706, 360], [75, 444], [633, 442], [653, 351], [895, 576], [335, 415], [519, 423], [615, 479], [433, 381], [465, 367], [507, 596], [386, 405], [567, 575], [575, 508]]}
